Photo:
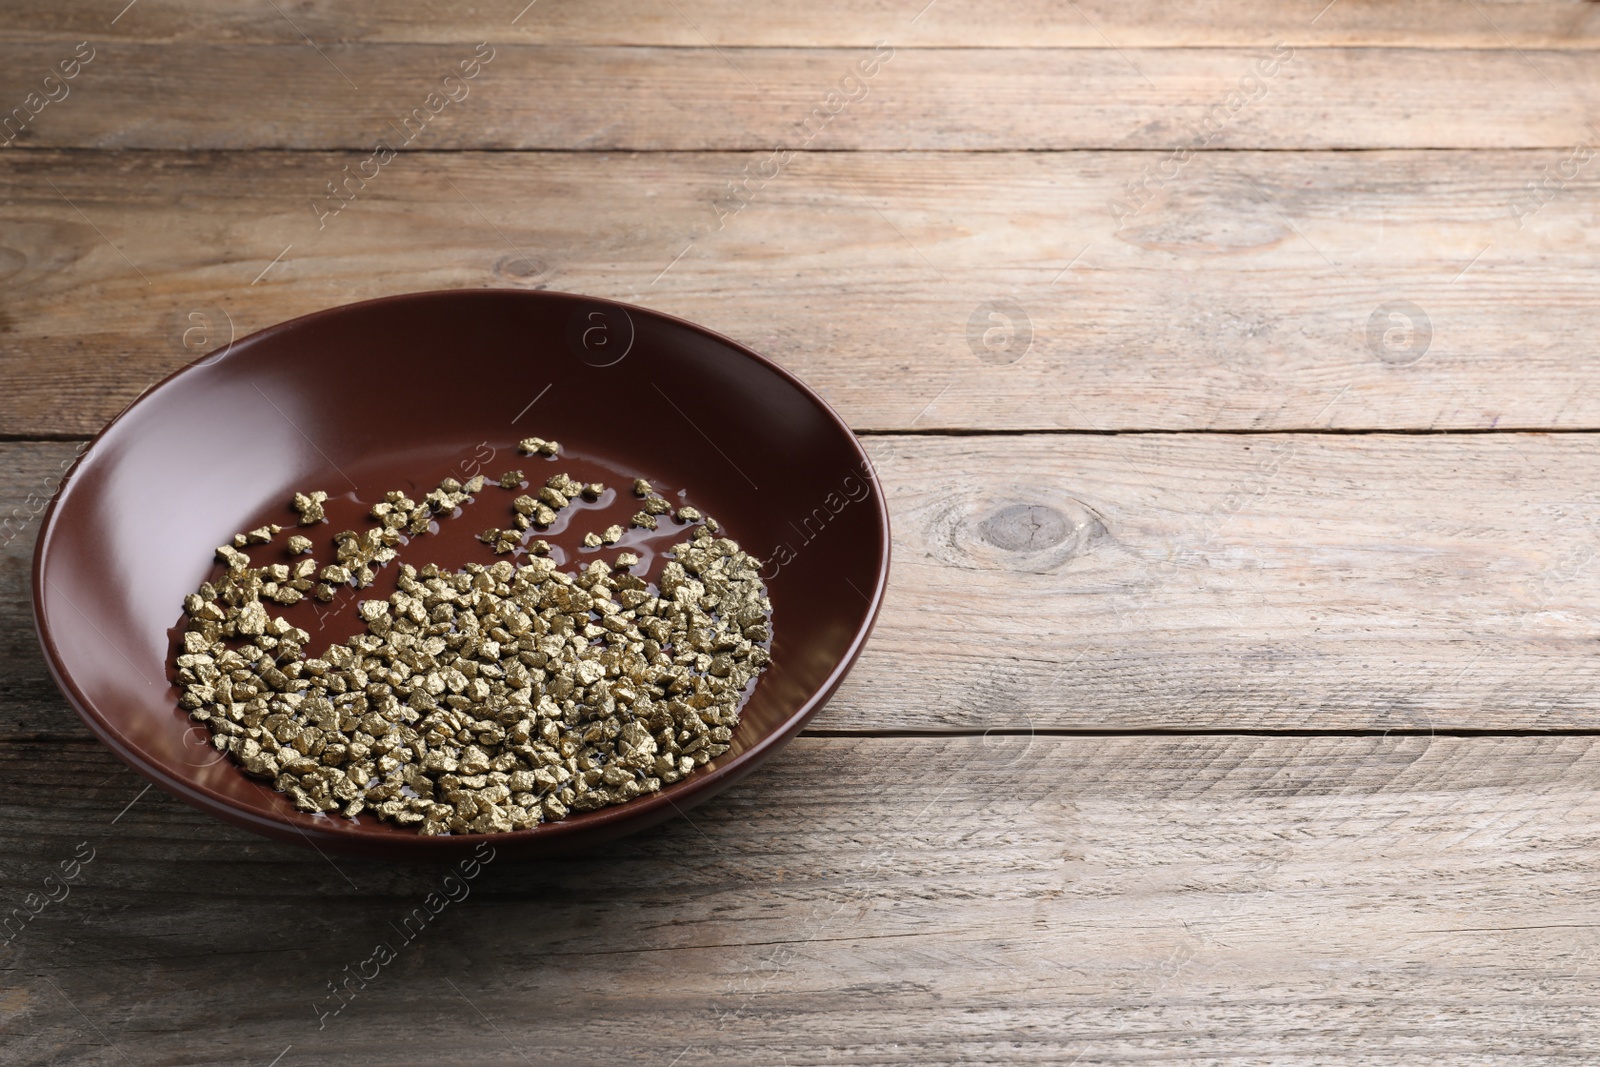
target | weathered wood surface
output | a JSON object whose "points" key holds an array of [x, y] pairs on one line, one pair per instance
{"points": [[1215, 900], [1169, 582], [1241, 295], [1029, 889], [829, 23], [217, 95], [1198, 581]]}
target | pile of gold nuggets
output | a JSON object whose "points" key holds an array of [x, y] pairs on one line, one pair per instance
{"points": [[487, 699]]}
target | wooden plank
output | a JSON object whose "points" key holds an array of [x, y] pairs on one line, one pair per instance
{"points": [[1253, 291], [1182, 582], [1091, 900], [832, 23], [1202, 581], [349, 95], [30, 703]]}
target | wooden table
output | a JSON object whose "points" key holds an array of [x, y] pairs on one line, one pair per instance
{"points": [[1228, 364]]}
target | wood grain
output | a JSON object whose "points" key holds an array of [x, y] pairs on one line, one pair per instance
{"points": [[1171, 582], [344, 95], [1241, 295], [1093, 900], [957, 863], [1198, 581], [831, 23]]}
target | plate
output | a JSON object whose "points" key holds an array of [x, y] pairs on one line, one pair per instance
{"points": [[399, 393]]}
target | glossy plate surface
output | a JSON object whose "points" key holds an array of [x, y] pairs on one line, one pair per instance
{"points": [[399, 393]]}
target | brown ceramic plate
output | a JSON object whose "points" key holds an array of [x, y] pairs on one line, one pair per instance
{"points": [[399, 393]]}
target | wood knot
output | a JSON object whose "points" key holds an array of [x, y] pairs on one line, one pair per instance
{"points": [[1025, 528], [524, 270], [991, 530]]}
